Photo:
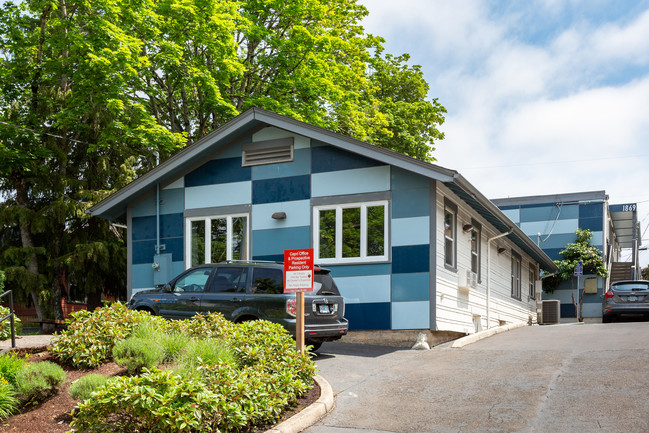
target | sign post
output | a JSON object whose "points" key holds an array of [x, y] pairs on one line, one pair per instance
{"points": [[298, 278]]}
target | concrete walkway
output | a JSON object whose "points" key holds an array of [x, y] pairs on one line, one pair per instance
{"points": [[27, 342]]}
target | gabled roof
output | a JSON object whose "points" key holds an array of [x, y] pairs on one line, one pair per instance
{"points": [[254, 119]]}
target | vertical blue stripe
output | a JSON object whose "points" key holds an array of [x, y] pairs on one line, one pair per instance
{"points": [[411, 259]]}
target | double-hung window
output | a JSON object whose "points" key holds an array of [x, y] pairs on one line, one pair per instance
{"points": [[351, 232], [450, 234], [516, 276], [476, 234], [532, 281], [214, 239]]}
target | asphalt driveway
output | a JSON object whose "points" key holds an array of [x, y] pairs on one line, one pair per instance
{"points": [[566, 378]]}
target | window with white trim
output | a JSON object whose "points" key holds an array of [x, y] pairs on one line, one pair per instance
{"points": [[214, 239], [532, 281], [351, 232], [450, 234], [516, 276], [476, 235]]}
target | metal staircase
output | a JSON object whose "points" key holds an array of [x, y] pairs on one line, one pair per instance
{"points": [[621, 271]]}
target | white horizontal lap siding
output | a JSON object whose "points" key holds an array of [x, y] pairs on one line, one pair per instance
{"points": [[456, 307]]}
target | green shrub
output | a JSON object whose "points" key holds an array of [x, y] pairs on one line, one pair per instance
{"points": [[136, 354], [38, 380], [90, 337], [10, 365], [156, 401], [82, 388], [5, 326], [207, 351], [8, 401], [173, 345]]}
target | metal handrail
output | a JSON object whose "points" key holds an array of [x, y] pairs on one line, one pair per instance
{"points": [[10, 316]]}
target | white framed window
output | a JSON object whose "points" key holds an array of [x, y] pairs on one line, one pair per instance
{"points": [[450, 234], [213, 239], [476, 235], [532, 281], [516, 276], [351, 232]]}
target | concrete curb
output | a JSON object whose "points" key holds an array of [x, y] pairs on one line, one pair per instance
{"points": [[312, 414], [484, 334]]}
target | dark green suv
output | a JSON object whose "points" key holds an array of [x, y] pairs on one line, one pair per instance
{"points": [[249, 291]]}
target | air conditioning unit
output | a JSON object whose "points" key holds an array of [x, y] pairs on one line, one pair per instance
{"points": [[467, 280], [550, 312]]}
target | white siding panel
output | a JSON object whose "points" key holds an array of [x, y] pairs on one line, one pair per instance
{"points": [[457, 307]]}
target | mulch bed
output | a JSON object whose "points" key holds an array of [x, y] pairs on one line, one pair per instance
{"points": [[53, 415]]}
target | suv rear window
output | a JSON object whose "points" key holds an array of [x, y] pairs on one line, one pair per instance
{"points": [[324, 284], [268, 281], [631, 286]]}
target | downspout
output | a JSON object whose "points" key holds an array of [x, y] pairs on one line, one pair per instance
{"points": [[489, 273], [157, 209]]}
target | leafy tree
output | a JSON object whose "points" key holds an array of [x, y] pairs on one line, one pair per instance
{"points": [[578, 251], [90, 92]]}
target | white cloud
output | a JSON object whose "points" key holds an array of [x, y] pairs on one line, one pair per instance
{"points": [[557, 109]]}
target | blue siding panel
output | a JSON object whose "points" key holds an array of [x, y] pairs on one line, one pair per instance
{"points": [[281, 189], [411, 315], [557, 240], [270, 258], [410, 203], [142, 276], [171, 225], [567, 310], [225, 194], [411, 259], [329, 158], [553, 253], [410, 231], [364, 289], [143, 251], [218, 171], [402, 179], [359, 270], [143, 228], [300, 165], [368, 317], [175, 247], [411, 287], [594, 224], [298, 214], [172, 201], [274, 242], [545, 213], [591, 210], [357, 181]]}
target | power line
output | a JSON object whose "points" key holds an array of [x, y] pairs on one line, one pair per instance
{"points": [[44, 133]]}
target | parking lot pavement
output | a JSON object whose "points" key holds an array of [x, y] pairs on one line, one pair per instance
{"points": [[534, 379]]}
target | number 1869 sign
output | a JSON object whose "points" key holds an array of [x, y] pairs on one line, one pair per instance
{"points": [[298, 271]]}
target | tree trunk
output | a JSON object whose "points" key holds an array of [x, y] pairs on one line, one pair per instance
{"points": [[581, 305], [27, 242]]}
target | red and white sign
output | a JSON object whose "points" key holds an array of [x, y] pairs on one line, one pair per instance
{"points": [[298, 270]]}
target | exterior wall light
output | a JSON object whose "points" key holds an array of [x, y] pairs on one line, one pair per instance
{"points": [[466, 227], [279, 216], [501, 250]]}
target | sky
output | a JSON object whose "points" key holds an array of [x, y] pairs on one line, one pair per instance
{"points": [[543, 96]]}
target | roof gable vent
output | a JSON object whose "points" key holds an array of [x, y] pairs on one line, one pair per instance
{"points": [[267, 152]]}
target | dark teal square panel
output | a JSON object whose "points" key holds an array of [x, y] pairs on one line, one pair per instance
{"points": [[218, 171], [594, 224], [411, 287], [591, 210], [329, 158], [408, 203], [143, 228], [281, 189], [171, 225], [368, 317], [143, 252], [411, 259]]}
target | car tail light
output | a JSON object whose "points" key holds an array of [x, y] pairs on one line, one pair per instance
{"points": [[609, 294], [291, 307]]}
